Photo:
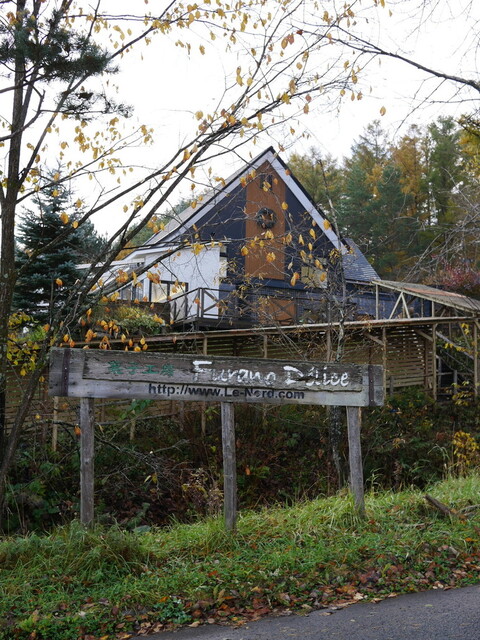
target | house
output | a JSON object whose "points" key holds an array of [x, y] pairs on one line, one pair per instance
{"points": [[255, 251]]}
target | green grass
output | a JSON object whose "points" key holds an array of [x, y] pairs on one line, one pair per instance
{"points": [[108, 582]]}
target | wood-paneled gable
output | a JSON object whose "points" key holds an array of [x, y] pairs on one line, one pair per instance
{"points": [[266, 191]]}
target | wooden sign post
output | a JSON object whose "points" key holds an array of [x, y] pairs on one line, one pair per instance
{"points": [[354, 423], [87, 431], [89, 374]]}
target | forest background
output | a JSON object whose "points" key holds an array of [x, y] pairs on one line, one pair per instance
{"points": [[410, 204]]}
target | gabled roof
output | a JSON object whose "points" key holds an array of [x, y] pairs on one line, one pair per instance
{"points": [[356, 267], [193, 216]]}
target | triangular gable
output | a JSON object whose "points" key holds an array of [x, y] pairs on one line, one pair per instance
{"points": [[191, 216]]}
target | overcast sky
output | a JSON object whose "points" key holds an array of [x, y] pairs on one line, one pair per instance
{"points": [[166, 87]]}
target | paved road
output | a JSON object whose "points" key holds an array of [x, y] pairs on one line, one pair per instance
{"points": [[431, 615]]}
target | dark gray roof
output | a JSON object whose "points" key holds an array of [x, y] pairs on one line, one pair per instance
{"points": [[356, 266]]}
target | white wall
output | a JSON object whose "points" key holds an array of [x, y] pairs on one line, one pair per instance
{"points": [[198, 271]]}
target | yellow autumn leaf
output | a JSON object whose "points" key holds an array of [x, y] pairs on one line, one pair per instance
{"points": [[75, 224], [312, 233], [284, 206], [59, 282], [78, 203], [271, 256], [244, 251], [326, 224], [64, 217], [294, 279], [383, 111]]}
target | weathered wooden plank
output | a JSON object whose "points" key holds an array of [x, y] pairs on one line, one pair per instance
{"points": [[193, 377], [220, 371]]}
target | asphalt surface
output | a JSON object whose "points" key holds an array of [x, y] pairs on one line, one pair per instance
{"points": [[432, 615]]}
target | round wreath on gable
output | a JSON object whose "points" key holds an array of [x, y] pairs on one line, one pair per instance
{"points": [[265, 218]]}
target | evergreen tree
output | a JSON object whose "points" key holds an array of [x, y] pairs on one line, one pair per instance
{"points": [[321, 177], [446, 170], [373, 208], [50, 244]]}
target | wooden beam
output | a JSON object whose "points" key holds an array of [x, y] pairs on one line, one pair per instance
{"points": [[354, 423], [203, 411], [423, 335], [434, 361], [395, 307], [374, 338], [229, 466], [87, 429], [55, 423], [384, 357], [405, 305], [475, 360]]}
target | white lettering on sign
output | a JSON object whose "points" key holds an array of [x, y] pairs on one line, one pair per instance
{"points": [[315, 377], [311, 377], [240, 376]]}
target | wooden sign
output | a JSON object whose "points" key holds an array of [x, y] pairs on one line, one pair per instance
{"points": [[193, 377]]}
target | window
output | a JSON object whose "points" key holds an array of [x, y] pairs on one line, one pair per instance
{"points": [[132, 292], [161, 292], [266, 181]]}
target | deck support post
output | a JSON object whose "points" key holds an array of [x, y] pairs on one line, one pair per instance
{"points": [[384, 357], [55, 423], [475, 359], [265, 345], [203, 410]]}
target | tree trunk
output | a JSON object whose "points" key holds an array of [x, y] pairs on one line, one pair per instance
{"points": [[8, 203]]}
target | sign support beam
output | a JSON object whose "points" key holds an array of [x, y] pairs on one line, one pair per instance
{"points": [[229, 466], [354, 423], [87, 429]]}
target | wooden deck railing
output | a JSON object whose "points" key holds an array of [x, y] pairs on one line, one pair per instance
{"points": [[244, 307]]}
